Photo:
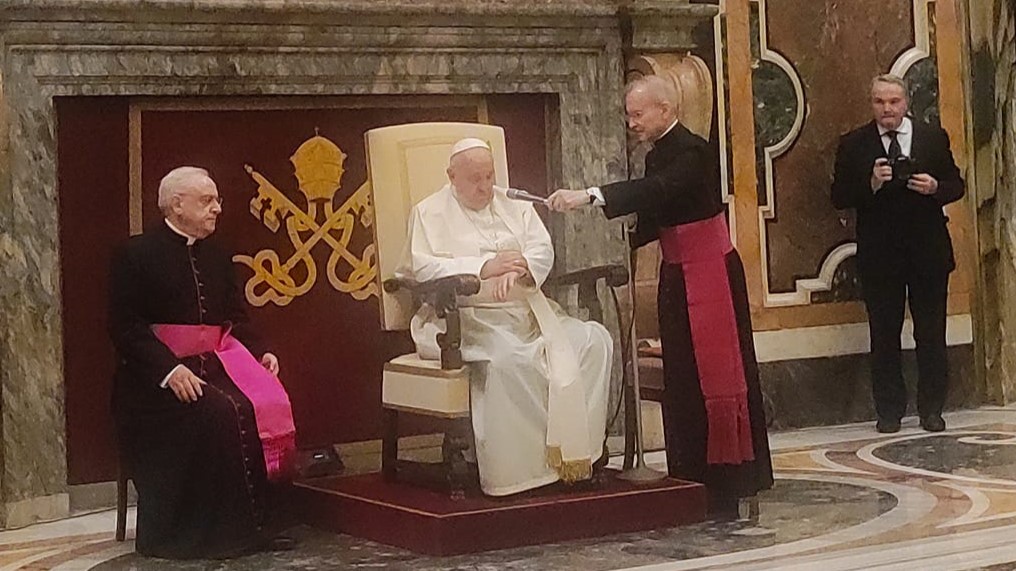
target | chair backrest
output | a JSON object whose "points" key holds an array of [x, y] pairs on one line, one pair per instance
{"points": [[647, 278], [405, 164]]}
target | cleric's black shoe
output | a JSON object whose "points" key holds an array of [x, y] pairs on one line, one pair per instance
{"points": [[933, 423], [722, 509], [277, 543], [257, 544], [887, 425]]}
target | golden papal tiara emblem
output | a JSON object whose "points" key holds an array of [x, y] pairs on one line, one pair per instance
{"points": [[318, 165]]}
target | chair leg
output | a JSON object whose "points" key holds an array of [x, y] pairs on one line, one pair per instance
{"points": [[456, 441], [121, 506], [749, 509], [390, 445], [631, 426]]}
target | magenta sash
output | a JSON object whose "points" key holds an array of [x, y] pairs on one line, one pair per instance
{"points": [[272, 411], [701, 248]]}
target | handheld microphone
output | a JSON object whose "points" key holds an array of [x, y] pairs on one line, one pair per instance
{"points": [[516, 194]]}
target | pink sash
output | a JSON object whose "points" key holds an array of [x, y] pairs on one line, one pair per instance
{"points": [[701, 248], [272, 411]]}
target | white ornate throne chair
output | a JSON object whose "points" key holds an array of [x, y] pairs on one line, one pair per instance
{"points": [[407, 163]]}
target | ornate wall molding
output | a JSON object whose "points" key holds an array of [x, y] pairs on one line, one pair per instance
{"points": [[690, 75], [767, 211], [722, 115], [922, 40]]}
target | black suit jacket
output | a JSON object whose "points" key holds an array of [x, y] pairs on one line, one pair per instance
{"points": [[681, 185], [898, 230]]}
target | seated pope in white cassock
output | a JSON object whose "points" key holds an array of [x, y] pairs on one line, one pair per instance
{"points": [[539, 379]]}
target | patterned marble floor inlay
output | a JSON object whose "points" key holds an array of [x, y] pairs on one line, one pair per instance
{"points": [[846, 499]]}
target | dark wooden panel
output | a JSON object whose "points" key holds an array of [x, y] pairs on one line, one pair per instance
{"points": [[92, 178]]}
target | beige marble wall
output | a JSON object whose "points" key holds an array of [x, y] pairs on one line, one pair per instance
{"points": [[993, 145], [52, 48]]}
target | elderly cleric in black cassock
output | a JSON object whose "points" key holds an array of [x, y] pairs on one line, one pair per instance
{"points": [[199, 466], [712, 404]]}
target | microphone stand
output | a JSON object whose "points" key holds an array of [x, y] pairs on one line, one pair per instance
{"points": [[635, 469]]}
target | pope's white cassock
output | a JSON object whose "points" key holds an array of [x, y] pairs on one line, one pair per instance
{"points": [[539, 379]]}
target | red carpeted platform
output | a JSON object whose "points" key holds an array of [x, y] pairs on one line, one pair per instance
{"points": [[431, 522]]}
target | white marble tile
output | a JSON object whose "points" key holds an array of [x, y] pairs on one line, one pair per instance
{"points": [[100, 522]]}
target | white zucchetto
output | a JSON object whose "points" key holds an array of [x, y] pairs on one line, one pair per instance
{"points": [[468, 143]]}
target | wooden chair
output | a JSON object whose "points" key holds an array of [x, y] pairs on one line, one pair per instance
{"points": [[123, 475], [406, 164], [647, 325]]}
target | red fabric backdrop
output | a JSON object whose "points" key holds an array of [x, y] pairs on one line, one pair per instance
{"points": [[330, 344]]}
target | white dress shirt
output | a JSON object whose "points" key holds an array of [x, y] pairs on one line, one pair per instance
{"points": [[904, 135]]}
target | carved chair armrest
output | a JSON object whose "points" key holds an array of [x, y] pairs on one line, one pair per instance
{"points": [[436, 292], [614, 275], [651, 351], [442, 294]]}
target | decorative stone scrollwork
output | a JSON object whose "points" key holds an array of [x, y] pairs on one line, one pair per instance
{"points": [[694, 83]]}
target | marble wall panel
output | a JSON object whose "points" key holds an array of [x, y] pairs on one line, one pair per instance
{"points": [[835, 48], [1005, 126], [993, 114], [837, 390]]}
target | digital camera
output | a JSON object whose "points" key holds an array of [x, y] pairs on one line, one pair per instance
{"points": [[903, 167]]}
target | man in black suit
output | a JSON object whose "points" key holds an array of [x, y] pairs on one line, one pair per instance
{"points": [[898, 174]]}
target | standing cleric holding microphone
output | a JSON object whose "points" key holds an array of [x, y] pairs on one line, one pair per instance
{"points": [[898, 174], [712, 406]]}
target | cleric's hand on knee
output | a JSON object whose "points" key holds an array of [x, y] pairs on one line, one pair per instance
{"points": [[185, 385]]}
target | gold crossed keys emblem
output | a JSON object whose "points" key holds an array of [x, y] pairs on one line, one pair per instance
{"points": [[318, 165]]}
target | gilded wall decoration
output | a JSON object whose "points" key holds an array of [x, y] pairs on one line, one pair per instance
{"points": [[318, 166]]}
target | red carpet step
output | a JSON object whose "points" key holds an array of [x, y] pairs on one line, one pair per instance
{"points": [[430, 522]]}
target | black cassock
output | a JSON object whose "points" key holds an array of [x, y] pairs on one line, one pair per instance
{"points": [[681, 187], [198, 467]]}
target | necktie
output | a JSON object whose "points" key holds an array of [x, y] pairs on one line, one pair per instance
{"points": [[895, 151]]}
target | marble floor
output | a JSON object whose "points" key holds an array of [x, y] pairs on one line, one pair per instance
{"points": [[846, 499]]}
